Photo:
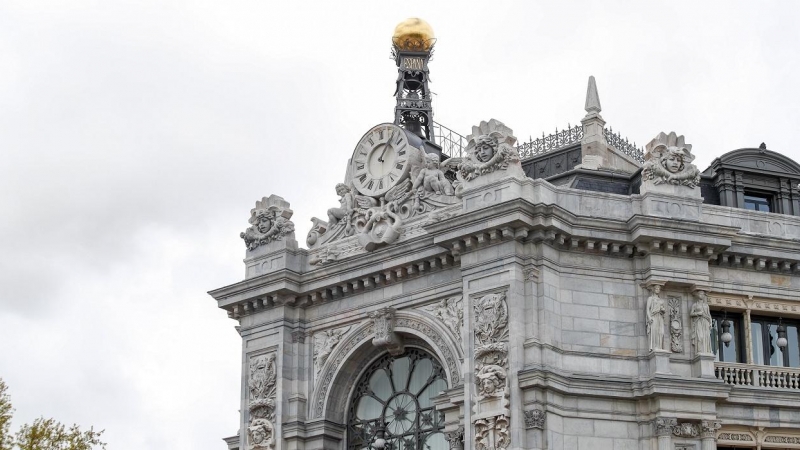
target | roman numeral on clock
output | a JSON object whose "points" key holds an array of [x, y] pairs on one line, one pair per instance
{"points": [[359, 166], [399, 166], [371, 183], [362, 179]]}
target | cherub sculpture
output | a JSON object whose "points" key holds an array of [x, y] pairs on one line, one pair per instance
{"points": [[345, 211], [431, 179], [668, 160]]}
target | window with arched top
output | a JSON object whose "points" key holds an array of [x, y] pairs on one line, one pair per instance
{"points": [[393, 400]]}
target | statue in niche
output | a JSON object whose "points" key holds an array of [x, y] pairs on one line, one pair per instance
{"points": [[430, 179], [267, 223], [701, 324], [668, 160], [490, 148], [345, 211], [656, 311]]}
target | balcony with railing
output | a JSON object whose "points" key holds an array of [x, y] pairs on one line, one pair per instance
{"points": [[766, 377]]}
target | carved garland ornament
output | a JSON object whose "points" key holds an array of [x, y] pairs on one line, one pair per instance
{"points": [[262, 384]]}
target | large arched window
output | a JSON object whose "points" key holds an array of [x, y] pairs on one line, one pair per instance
{"points": [[394, 398]]}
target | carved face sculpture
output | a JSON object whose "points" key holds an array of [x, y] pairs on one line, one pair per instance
{"points": [[673, 160], [264, 220], [484, 148], [259, 431]]}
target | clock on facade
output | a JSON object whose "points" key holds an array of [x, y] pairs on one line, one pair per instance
{"points": [[381, 159]]}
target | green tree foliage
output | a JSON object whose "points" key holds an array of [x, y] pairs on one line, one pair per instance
{"points": [[43, 434], [6, 442]]}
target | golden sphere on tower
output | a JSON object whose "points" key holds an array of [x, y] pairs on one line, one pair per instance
{"points": [[413, 34]]}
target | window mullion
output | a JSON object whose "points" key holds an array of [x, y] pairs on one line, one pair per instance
{"points": [[748, 338]]}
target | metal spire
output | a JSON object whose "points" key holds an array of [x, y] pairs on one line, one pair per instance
{"points": [[592, 98]]}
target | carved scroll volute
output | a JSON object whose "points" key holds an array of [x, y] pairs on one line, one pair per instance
{"points": [[262, 386], [385, 335]]}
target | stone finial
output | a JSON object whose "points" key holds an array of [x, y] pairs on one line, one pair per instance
{"points": [[668, 160], [269, 221], [490, 150], [592, 98]]}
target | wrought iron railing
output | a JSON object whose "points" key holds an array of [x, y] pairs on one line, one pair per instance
{"points": [[452, 143], [546, 143], [616, 141], [769, 377]]}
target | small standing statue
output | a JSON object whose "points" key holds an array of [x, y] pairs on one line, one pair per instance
{"points": [[431, 179], [346, 208], [655, 319], [701, 324]]}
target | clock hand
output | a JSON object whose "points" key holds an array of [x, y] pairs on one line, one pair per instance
{"points": [[388, 144]]}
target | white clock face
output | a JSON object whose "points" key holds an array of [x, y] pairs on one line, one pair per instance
{"points": [[380, 160]]}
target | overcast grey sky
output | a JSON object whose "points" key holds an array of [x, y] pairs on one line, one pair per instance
{"points": [[136, 135]]}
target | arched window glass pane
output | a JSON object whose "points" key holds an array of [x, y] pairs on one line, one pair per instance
{"points": [[435, 441], [421, 375], [395, 397], [400, 373], [379, 383]]}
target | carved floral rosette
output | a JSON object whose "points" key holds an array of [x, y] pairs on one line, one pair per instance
{"points": [[668, 160], [262, 385]]}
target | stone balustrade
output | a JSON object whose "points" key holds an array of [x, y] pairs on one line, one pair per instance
{"points": [[770, 377]]}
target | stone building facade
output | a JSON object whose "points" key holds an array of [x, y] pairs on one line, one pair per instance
{"points": [[572, 292]]}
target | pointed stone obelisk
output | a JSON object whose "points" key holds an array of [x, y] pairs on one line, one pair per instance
{"points": [[593, 144], [592, 98]]}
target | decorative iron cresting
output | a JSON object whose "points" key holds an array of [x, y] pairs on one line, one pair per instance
{"points": [[616, 141], [546, 143], [453, 144]]}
